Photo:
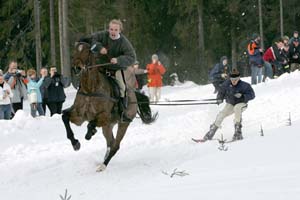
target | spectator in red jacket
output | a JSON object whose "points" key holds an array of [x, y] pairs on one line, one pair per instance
{"points": [[155, 71], [273, 56]]}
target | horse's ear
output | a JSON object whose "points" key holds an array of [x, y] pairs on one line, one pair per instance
{"points": [[80, 47], [75, 44]]}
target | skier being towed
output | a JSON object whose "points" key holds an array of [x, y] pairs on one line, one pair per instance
{"points": [[237, 94]]}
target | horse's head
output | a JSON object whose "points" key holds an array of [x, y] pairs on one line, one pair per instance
{"points": [[82, 55]]}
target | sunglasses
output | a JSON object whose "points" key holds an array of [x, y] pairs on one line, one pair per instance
{"points": [[235, 79]]}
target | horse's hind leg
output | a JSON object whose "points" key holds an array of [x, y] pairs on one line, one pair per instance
{"points": [[70, 135], [91, 130], [113, 144]]}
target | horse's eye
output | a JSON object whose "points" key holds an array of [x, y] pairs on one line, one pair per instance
{"points": [[80, 47]]}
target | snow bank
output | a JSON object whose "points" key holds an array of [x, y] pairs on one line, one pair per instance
{"points": [[38, 162]]}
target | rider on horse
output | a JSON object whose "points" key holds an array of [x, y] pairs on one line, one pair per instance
{"points": [[112, 45]]}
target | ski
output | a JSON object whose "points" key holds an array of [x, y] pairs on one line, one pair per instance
{"points": [[201, 140]]}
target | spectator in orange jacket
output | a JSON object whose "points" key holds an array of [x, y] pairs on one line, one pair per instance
{"points": [[155, 71]]}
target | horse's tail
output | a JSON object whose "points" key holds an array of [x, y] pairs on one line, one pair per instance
{"points": [[144, 110]]}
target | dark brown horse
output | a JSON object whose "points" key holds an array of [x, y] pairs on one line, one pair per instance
{"points": [[96, 103]]}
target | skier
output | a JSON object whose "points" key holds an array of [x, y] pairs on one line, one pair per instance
{"points": [[237, 94]]}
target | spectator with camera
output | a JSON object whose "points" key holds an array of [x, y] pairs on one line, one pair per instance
{"points": [[34, 93], [5, 96], [256, 61], [294, 54], [17, 80], [55, 88]]}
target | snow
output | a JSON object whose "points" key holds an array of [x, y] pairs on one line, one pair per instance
{"points": [[38, 162]]}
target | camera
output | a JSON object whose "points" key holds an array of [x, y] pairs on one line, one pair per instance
{"points": [[18, 73]]}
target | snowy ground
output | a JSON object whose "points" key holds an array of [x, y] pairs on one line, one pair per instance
{"points": [[38, 162]]}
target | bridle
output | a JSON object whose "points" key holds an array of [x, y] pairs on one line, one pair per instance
{"points": [[87, 66]]}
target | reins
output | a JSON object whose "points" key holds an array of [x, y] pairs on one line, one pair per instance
{"points": [[98, 65]]}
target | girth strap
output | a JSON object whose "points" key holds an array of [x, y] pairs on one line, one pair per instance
{"points": [[99, 95]]}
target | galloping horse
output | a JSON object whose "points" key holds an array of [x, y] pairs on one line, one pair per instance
{"points": [[96, 103]]}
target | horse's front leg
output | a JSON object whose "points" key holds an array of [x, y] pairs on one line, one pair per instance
{"points": [[70, 135], [113, 145], [91, 130]]}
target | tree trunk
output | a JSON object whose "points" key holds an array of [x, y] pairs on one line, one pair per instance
{"points": [[60, 27], [66, 68], [38, 45], [52, 33], [233, 49], [281, 18], [200, 34], [261, 24]]}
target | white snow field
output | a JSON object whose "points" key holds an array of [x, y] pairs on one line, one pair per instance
{"points": [[38, 162]]}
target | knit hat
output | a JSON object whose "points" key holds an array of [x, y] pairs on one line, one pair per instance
{"points": [[254, 36], [234, 73], [155, 57]]}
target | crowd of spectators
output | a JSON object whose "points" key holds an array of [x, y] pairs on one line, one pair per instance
{"points": [[41, 90]]}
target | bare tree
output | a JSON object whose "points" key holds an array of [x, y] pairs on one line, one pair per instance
{"points": [[52, 33], [281, 18], [60, 28], [233, 49], [63, 11], [38, 45], [261, 24], [200, 33], [66, 68]]}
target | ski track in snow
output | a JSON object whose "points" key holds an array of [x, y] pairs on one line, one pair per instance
{"points": [[38, 162]]}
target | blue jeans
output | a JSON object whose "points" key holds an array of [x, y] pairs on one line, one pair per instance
{"points": [[5, 111], [268, 70], [256, 74], [37, 107]]}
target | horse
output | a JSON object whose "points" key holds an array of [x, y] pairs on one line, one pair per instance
{"points": [[96, 101]]}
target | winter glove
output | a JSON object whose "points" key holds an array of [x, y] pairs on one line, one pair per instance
{"points": [[219, 101], [238, 95], [224, 76], [96, 47]]}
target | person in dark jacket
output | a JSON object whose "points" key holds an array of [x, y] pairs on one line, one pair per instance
{"points": [[274, 56], [255, 58], [295, 35], [55, 88], [294, 54], [116, 49], [219, 73], [237, 94]]}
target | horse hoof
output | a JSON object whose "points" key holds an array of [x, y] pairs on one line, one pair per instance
{"points": [[76, 146], [101, 168], [88, 136], [90, 133]]}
